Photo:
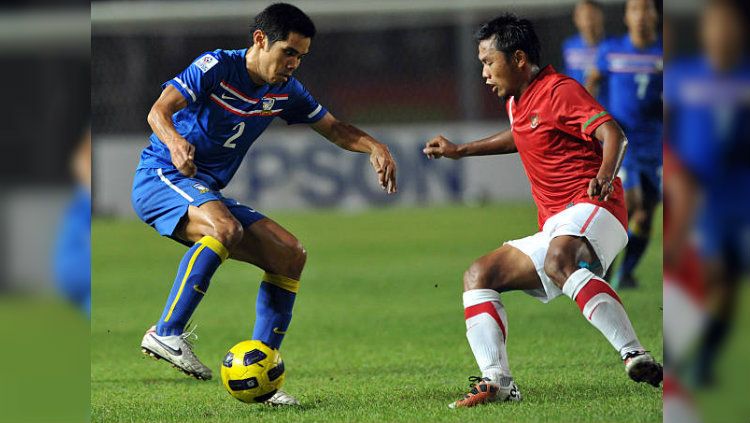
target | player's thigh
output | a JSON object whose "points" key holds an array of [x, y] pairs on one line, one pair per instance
{"points": [[268, 245], [565, 255], [211, 218], [504, 269]]}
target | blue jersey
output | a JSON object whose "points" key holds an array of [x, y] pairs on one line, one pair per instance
{"points": [[579, 59], [72, 256], [634, 78], [226, 113], [708, 130]]}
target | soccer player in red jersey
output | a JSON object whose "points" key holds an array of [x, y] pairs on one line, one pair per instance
{"points": [[571, 150]]}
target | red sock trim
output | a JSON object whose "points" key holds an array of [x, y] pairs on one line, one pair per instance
{"points": [[485, 308], [592, 288]]}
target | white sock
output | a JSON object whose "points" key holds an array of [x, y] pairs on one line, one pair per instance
{"points": [[603, 308], [486, 330]]}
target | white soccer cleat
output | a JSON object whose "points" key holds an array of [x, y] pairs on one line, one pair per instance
{"points": [[484, 391], [282, 398], [177, 350], [642, 367]]}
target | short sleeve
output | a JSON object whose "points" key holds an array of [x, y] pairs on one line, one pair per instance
{"points": [[198, 79], [576, 111], [302, 107]]}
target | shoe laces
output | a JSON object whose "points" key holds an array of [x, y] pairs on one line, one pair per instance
{"points": [[634, 354], [189, 337], [474, 380]]}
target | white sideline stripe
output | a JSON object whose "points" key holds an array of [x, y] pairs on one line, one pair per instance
{"points": [[173, 186], [315, 112], [192, 94]]}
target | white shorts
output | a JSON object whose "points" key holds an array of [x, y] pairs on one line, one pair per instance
{"points": [[602, 230]]}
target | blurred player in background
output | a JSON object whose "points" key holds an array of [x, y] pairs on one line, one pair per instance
{"points": [[580, 50], [72, 257], [632, 69], [708, 110], [571, 149], [205, 120]]}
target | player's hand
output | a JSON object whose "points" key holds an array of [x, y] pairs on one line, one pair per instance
{"points": [[385, 167], [600, 188], [440, 147], [183, 154]]}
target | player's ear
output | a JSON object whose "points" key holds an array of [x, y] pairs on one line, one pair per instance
{"points": [[259, 38], [519, 57]]}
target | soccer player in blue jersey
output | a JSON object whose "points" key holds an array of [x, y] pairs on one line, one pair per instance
{"points": [[708, 110], [204, 121], [580, 50], [632, 67], [72, 255]]}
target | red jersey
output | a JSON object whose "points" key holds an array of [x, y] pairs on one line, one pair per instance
{"points": [[552, 125]]}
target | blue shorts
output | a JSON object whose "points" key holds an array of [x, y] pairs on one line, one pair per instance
{"points": [[643, 174], [161, 198]]}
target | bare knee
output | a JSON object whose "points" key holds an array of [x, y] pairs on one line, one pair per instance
{"points": [[558, 265], [227, 231], [641, 220], [480, 276], [289, 260], [296, 258]]}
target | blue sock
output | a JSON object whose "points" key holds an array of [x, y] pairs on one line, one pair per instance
{"points": [[273, 310], [633, 252], [193, 276]]}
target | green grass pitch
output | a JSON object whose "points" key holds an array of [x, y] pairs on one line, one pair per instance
{"points": [[378, 332]]}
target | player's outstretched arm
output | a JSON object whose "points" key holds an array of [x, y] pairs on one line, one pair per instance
{"points": [[351, 138], [500, 143], [614, 145], [160, 119]]}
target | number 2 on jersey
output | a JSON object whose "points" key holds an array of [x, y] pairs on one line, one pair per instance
{"points": [[642, 79], [240, 127]]}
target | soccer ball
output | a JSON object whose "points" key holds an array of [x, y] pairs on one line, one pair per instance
{"points": [[252, 371]]}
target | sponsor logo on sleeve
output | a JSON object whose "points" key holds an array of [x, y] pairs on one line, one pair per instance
{"points": [[206, 62]]}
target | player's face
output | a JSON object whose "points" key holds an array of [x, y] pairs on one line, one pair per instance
{"points": [[722, 34], [641, 16], [279, 60], [497, 70], [589, 20]]}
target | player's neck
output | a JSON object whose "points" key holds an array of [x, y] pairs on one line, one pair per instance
{"points": [[251, 66], [533, 73], [591, 39], [642, 40]]}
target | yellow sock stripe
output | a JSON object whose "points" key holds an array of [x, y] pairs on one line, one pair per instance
{"points": [[184, 279], [214, 245], [282, 282]]}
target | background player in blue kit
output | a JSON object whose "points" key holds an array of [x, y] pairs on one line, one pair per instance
{"points": [[72, 256], [204, 122], [580, 50], [708, 111], [632, 67]]}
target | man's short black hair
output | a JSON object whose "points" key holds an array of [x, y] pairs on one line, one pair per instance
{"points": [[510, 34], [279, 19]]}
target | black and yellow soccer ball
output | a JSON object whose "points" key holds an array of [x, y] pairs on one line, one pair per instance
{"points": [[252, 371]]}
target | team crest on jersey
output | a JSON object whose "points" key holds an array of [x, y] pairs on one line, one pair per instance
{"points": [[534, 121], [268, 103], [201, 189], [206, 62]]}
